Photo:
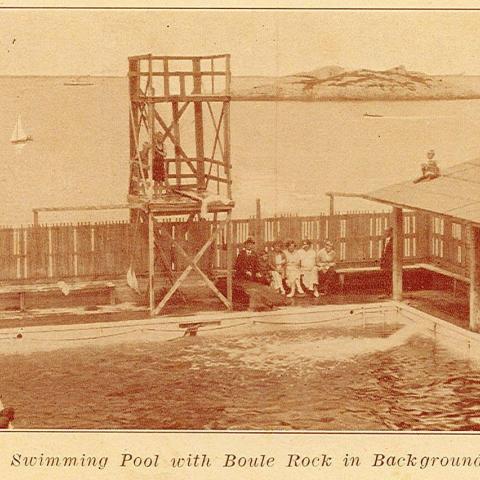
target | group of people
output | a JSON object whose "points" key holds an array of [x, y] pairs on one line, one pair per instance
{"points": [[288, 269]]}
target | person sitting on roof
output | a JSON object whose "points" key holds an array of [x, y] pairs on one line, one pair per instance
{"points": [[430, 169]]}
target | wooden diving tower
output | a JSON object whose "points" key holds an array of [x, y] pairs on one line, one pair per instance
{"points": [[180, 159]]}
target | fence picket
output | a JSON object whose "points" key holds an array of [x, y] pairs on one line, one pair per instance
{"points": [[105, 249]]}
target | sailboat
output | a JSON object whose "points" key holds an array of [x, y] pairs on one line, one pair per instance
{"points": [[372, 115], [19, 136]]}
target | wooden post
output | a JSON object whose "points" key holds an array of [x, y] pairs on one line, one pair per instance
{"points": [[258, 223], [22, 301], [50, 253], [75, 252], [151, 126], [226, 128], [198, 108], [228, 74], [229, 240], [151, 264], [134, 88], [166, 78], [422, 222], [429, 235], [473, 247], [332, 204], [212, 68], [176, 134], [226, 147], [35, 218], [397, 224]]}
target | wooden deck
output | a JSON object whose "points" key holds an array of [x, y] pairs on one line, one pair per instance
{"points": [[28, 297], [434, 295], [173, 203]]}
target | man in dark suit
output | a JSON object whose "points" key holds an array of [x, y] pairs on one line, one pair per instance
{"points": [[386, 260], [246, 265]]}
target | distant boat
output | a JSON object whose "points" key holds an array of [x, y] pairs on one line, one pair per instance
{"points": [[18, 135], [79, 82], [372, 115]]}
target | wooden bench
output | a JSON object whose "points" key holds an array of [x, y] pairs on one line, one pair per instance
{"points": [[22, 290], [456, 277], [442, 271], [416, 266]]}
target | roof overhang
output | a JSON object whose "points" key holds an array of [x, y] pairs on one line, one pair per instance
{"points": [[455, 193]]}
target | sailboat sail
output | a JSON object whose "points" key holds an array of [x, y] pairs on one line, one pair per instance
{"points": [[19, 135]]}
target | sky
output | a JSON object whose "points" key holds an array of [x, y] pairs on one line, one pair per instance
{"points": [[261, 42]]}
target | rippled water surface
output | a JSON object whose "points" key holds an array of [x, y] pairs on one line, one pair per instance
{"points": [[373, 377]]}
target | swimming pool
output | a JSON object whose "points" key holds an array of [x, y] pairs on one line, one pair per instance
{"points": [[372, 368]]}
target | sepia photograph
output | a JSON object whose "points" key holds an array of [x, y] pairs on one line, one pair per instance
{"points": [[239, 220]]}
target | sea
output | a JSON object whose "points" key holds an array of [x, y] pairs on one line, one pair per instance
{"points": [[287, 154]]}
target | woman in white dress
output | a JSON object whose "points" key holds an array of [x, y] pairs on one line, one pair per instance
{"points": [[292, 269], [277, 262], [308, 267]]}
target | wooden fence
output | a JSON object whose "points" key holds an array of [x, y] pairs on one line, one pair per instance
{"points": [[107, 249]]}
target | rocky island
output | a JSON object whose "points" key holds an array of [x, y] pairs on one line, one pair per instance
{"points": [[337, 83]]}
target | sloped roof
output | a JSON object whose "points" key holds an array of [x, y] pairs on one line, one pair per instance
{"points": [[455, 193]]}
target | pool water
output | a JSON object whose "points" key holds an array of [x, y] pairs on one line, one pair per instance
{"points": [[372, 377]]}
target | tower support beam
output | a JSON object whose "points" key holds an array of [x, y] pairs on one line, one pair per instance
{"points": [[193, 265]]}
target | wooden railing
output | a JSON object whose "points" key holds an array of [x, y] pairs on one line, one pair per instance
{"points": [[103, 250]]}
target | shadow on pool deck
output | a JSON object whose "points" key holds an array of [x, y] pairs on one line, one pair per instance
{"points": [[441, 304]]}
